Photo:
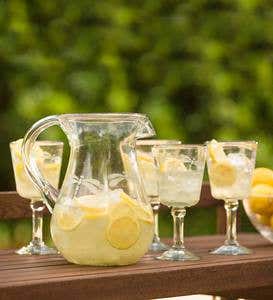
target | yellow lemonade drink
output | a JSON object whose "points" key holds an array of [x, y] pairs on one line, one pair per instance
{"points": [[149, 173], [49, 166], [105, 229], [230, 174]]}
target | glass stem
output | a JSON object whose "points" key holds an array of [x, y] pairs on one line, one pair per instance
{"points": [[231, 212], [37, 207], [178, 227], [155, 207]]}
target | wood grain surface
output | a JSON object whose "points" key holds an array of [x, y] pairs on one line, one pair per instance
{"points": [[51, 277], [13, 206]]}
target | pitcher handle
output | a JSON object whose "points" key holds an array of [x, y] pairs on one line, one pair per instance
{"points": [[49, 192]]}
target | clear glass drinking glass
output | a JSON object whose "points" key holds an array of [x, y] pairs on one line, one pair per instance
{"points": [[48, 155], [180, 170], [146, 163], [230, 168]]}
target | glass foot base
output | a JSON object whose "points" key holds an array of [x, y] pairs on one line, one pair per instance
{"points": [[158, 246], [178, 255], [231, 250], [36, 250]]}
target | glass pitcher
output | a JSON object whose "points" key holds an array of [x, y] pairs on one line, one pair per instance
{"points": [[101, 215]]}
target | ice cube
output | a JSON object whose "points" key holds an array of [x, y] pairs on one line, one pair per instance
{"points": [[114, 196], [100, 200], [185, 158], [240, 160]]}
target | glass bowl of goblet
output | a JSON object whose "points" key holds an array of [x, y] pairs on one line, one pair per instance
{"points": [[48, 155]]}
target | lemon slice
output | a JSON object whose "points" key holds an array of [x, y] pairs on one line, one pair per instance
{"points": [[124, 229], [216, 151], [147, 165], [92, 206], [122, 208], [17, 149], [142, 212], [145, 214], [145, 157], [20, 171], [51, 167], [122, 233], [67, 218], [93, 212], [172, 164], [125, 197], [222, 173]]}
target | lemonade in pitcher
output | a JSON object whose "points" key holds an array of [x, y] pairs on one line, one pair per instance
{"points": [[91, 230]]}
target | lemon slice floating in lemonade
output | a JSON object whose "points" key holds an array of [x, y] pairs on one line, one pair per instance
{"points": [[20, 171], [143, 212], [145, 157], [222, 172], [67, 217], [123, 230], [146, 162], [172, 164], [124, 227]]}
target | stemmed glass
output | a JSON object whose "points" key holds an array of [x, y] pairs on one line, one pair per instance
{"points": [[48, 155], [230, 168], [180, 169], [148, 172]]}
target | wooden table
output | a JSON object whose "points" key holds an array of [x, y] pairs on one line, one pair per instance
{"points": [[51, 277]]}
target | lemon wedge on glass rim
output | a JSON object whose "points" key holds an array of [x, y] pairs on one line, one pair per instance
{"points": [[222, 172]]}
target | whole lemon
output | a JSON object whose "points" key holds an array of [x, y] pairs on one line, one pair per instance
{"points": [[261, 199], [262, 175], [264, 219], [271, 222]]}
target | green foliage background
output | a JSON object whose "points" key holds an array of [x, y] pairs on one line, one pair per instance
{"points": [[199, 68]]}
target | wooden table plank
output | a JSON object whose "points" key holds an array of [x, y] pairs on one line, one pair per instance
{"points": [[51, 277], [13, 206]]}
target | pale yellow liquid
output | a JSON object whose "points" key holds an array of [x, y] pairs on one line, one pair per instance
{"points": [[50, 170], [82, 235]]}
